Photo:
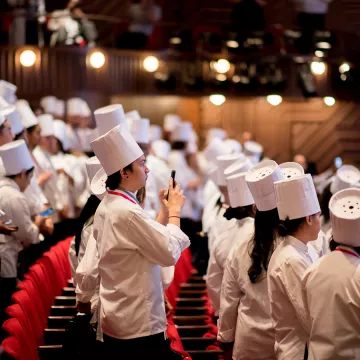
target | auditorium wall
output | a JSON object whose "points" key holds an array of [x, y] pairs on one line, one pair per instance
{"points": [[296, 126]]}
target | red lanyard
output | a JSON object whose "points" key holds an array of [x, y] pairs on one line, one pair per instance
{"points": [[122, 195], [348, 252]]}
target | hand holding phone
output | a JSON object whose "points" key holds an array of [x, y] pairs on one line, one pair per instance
{"points": [[47, 212], [173, 173]]}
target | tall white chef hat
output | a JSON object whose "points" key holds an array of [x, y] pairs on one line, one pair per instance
{"points": [[139, 129], [60, 132], [243, 164], [15, 122], [94, 168], [133, 115], [233, 145], [161, 149], [182, 132], [7, 90], [171, 121], [239, 193], [215, 133], [345, 217], [296, 197], [27, 116], [48, 103], [254, 151], [291, 169], [260, 179], [116, 149], [213, 174], [108, 117], [155, 133], [214, 149], [16, 157], [47, 124], [60, 108], [74, 106], [224, 161], [347, 176]]}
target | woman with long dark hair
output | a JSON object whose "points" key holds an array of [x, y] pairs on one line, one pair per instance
{"points": [[336, 277], [245, 318], [299, 213]]}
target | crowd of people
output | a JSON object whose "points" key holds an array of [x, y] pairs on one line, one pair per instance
{"points": [[281, 267]]}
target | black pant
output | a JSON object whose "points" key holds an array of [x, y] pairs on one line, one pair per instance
{"points": [[7, 288], [148, 347]]}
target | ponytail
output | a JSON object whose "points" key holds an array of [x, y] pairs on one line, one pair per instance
{"points": [[263, 243], [238, 213], [289, 227]]}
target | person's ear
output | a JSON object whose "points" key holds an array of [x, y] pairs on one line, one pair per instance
{"points": [[254, 209], [309, 220], [124, 174]]}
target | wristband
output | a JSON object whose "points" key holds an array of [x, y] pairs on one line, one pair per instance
{"points": [[174, 217]]}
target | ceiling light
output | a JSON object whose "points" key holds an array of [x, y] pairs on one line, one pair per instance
{"points": [[175, 40], [324, 45], [217, 99], [221, 77], [329, 101], [27, 58], [274, 100], [222, 66], [151, 64], [317, 68], [344, 67], [232, 44], [319, 53], [97, 59]]}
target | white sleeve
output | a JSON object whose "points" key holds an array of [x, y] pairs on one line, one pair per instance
{"points": [[214, 280], [167, 276], [159, 244], [87, 273], [73, 259], [229, 302]]}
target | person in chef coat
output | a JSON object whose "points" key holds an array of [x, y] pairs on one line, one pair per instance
{"points": [[253, 151], [299, 213], [330, 287], [19, 168], [241, 215], [131, 248], [245, 320], [171, 121]]}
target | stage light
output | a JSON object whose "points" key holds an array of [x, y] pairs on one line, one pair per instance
{"points": [[319, 53], [175, 40], [27, 58], [222, 66], [97, 59], [317, 67], [217, 99], [344, 67], [329, 101], [274, 100], [220, 77], [151, 64], [323, 45], [233, 44], [343, 77]]}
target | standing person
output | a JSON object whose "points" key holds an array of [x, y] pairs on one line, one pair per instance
{"points": [[334, 317], [245, 320], [132, 248], [299, 213]]}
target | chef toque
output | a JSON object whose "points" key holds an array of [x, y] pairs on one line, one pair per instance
{"points": [[7, 90], [233, 145], [108, 117], [92, 135], [47, 124], [16, 157], [116, 149], [239, 193], [139, 129], [347, 176], [15, 122], [214, 149], [133, 115], [60, 132], [254, 151], [243, 164], [345, 217], [224, 161], [94, 167], [182, 132], [291, 169], [161, 149], [296, 197], [60, 108], [215, 133], [48, 103], [75, 106], [155, 133], [260, 179], [171, 121], [27, 116]]}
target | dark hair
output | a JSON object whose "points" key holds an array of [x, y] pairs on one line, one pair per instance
{"points": [[114, 180], [263, 242], [31, 128], [238, 213], [324, 202], [289, 227], [18, 136], [27, 173], [178, 145], [87, 212], [334, 245], [141, 195]]}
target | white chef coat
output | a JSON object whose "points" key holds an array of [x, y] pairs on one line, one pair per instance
{"points": [[236, 231], [331, 293], [160, 170], [245, 308], [132, 248], [210, 210], [286, 269], [321, 244], [152, 203], [14, 204], [218, 226]]}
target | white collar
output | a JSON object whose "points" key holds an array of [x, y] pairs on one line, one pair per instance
{"points": [[9, 182], [297, 243]]}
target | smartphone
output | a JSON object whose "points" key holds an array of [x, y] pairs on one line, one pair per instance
{"points": [[338, 162], [47, 212], [173, 173], [7, 223]]}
